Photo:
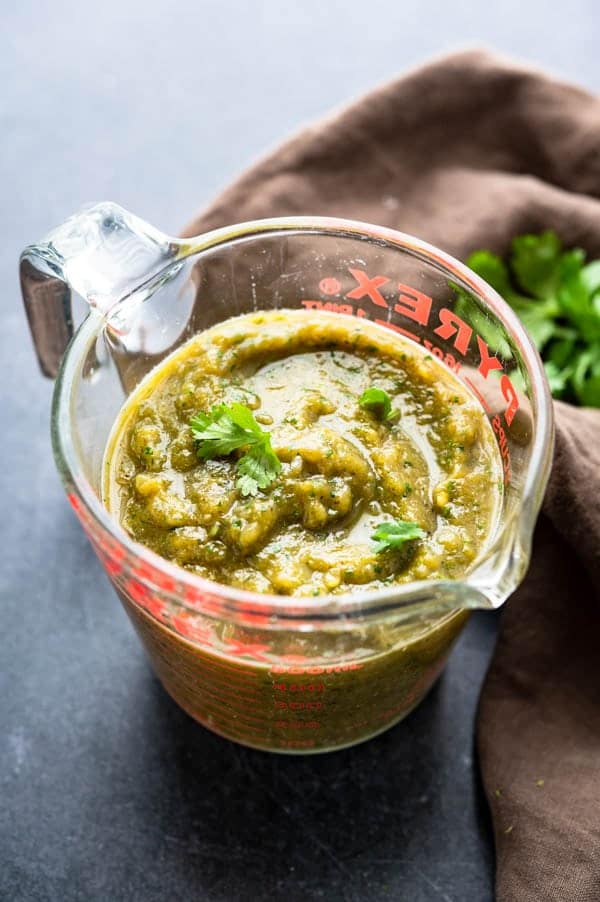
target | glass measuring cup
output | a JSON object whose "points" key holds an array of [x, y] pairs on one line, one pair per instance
{"points": [[285, 674]]}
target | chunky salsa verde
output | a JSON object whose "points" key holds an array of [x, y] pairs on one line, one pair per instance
{"points": [[344, 466], [370, 465]]}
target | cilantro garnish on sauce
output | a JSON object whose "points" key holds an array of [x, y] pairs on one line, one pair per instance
{"points": [[393, 535], [556, 294], [232, 427], [378, 402]]}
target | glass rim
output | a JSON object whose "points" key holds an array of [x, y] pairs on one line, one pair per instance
{"points": [[476, 585]]}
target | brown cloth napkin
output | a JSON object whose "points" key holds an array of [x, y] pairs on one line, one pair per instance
{"points": [[467, 152]]}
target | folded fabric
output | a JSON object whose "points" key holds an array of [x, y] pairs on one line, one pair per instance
{"points": [[467, 152]]}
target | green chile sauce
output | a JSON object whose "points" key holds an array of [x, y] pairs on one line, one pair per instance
{"points": [[344, 470]]}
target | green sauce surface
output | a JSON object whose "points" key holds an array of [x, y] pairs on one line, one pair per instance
{"points": [[345, 470]]}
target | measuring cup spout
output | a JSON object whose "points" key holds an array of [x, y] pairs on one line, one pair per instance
{"points": [[104, 253], [434, 599]]}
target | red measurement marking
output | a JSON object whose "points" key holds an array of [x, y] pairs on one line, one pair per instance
{"points": [[299, 687], [510, 395], [145, 598], [330, 285], [503, 446], [187, 627], [112, 548], [74, 501], [450, 361], [87, 523], [112, 567], [405, 332], [436, 352], [198, 599], [145, 571], [207, 604], [329, 306], [316, 670], [252, 649], [348, 309], [481, 398], [299, 706]]}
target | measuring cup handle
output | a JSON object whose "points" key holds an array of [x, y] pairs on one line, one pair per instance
{"points": [[104, 254], [47, 300]]}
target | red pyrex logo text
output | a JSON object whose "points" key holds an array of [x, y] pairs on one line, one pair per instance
{"points": [[416, 306]]}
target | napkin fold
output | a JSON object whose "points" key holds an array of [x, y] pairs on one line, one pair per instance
{"points": [[468, 152]]}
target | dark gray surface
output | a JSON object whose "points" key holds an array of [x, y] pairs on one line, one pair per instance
{"points": [[108, 791]]}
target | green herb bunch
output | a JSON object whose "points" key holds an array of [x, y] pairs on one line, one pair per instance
{"points": [[556, 295]]}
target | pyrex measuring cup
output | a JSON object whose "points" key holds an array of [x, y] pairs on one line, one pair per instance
{"points": [[285, 674]]}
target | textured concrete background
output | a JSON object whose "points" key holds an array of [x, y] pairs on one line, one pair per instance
{"points": [[108, 791]]}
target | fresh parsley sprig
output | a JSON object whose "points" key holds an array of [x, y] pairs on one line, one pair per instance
{"points": [[378, 402], [393, 534], [232, 427], [556, 294]]}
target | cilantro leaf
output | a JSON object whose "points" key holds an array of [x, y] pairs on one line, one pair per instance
{"points": [[225, 429], [590, 395], [586, 376], [535, 262], [247, 485], [468, 309], [258, 468], [537, 320], [493, 269], [560, 352], [378, 402], [557, 378], [575, 301], [392, 535], [232, 427], [590, 275]]}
